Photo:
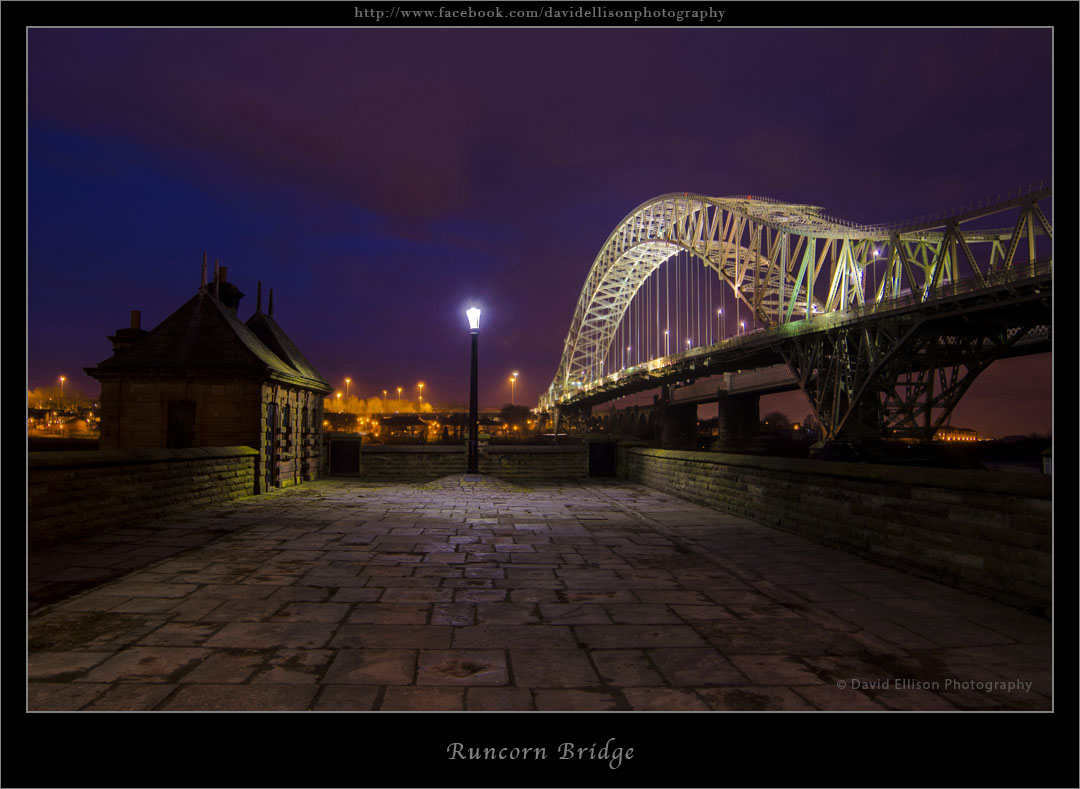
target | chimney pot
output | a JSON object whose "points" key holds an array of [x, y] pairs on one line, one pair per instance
{"points": [[224, 272], [136, 319]]}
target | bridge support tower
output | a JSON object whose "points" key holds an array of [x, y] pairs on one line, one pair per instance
{"points": [[677, 423], [901, 377], [737, 423]]}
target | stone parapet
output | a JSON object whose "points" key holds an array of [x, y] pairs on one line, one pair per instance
{"points": [[410, 463], [74, 494], [984, 532]]}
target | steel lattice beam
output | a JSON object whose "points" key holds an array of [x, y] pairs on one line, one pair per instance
{"points": [[787, 264]]}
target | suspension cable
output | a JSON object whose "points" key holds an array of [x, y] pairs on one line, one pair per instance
{"points": [[678, 305]]}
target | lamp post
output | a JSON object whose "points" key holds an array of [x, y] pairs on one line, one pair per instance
{"points": [[667, 344], [421, 387], [513, 380], [62, 379], [339, 402], [719, 324], [474, 333], [347, 382]]}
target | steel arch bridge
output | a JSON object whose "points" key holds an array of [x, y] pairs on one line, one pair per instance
{"points": [[797, 272]]}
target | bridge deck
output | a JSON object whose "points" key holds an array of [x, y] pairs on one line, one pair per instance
{"points": [[458, 595]]}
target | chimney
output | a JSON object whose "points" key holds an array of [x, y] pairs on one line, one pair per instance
{"points": [[271, 302], [258, 299], [203, 284], [125, 338], [227, 293]]}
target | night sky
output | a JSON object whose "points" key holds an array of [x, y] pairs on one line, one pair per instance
{"points": [[382, 180]]}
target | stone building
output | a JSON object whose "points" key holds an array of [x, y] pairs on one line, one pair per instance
{"points": [[203, 378]]}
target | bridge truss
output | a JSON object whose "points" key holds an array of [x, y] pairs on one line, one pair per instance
{"points": [[875, 321]]}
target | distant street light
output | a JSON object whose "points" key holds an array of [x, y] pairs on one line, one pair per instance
{"points": [[399, 393], [474, 444], [339, 402], [62, 379], [513, 379], [347, 382], [667, 344], [421, 386], [383, 394], [719, 324], [743, 325], [688, 345]]}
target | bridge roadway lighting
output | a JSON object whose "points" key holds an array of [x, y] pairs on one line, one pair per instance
{"points": [[743, 325], [667, 344], [474, 333], [688, 345]]}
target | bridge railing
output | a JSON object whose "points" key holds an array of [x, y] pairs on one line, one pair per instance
{"points": [[1017, 273]]}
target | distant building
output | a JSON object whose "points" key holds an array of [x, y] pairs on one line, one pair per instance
{"points": [[956, 434], [403, 426], [203, 378]]}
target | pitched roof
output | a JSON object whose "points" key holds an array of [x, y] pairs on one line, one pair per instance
{"points": [[266, 329], [204, 335]]}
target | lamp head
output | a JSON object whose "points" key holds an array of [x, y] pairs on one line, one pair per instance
{"points": [[474, 318]]}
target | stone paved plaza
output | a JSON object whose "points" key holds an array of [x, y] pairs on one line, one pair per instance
{"points": [[486, 595]]}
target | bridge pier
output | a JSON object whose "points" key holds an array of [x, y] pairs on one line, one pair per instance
{"points": [[737, 423], [677, 423]]}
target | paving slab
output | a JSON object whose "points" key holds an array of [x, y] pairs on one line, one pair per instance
{"points": [[489, 595]]}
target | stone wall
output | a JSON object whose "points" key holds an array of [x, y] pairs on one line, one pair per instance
{"points": [[537, 463], [404, 463], [134, 412], [981, 531], [290, 448], [72, 494], [410, 463]]}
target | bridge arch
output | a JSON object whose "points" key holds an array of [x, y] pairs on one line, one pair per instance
{"points": [[783, 262]]}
